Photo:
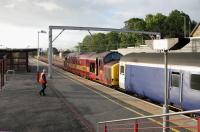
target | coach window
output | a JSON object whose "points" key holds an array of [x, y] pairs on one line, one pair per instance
{"points": [[195, 82], [92, 67], [121, 69], [175, 80]]}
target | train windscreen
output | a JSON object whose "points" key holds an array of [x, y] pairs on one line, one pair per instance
{"points": [[112, 57]]}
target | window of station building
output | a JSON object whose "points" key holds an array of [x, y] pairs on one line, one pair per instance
{"points": [[121, 69], [92, 67], [175, 79], [195, 82]]}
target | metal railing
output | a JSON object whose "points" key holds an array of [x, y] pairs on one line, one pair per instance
{"points": [[153, 123]]}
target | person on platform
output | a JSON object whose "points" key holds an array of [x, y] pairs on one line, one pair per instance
{"points": [[43, 82]]}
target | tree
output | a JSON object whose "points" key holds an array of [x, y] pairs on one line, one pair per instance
{"points": [[86, 45], [113, 40], [55, 51], [66, 52], [99, 42], [168, 26], [156, 23], [135, 24], [133, 39], [175, 24]]}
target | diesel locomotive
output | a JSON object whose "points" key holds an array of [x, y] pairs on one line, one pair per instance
{"points": [[101, 67]]}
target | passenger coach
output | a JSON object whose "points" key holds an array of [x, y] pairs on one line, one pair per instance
{"points": [[143, 73]]}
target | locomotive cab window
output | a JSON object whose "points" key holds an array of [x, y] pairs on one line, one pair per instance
{"points": [[92, 67], [121, 69], [175, 79], [195, 82]]}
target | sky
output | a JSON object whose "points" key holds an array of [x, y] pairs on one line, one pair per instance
{"points": [[21, 20]]}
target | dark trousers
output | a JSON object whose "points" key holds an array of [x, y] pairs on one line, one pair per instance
{"points": [[42, 91]]}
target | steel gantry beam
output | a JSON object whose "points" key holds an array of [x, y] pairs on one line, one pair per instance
{"points": [[51, 28]]}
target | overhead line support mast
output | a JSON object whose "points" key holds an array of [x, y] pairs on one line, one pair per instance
{"points": [[51, 28]]}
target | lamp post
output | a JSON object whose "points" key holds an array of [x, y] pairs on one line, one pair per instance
{"points": [[166, 45], [38, 52]]}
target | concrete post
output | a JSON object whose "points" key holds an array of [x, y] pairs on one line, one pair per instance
{"points": [[166, 94], [50, 54]]}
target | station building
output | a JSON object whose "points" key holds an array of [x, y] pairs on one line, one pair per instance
{"points": [[13, 60], [16, 59]]}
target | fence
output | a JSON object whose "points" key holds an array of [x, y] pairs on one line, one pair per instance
{"points": [[154, 123]]}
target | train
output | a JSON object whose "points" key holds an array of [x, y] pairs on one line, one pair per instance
{"points": [[143, 74], [101, 67]]}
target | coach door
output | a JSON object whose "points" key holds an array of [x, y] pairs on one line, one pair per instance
{"points": [[122, 75], [176, 88]]}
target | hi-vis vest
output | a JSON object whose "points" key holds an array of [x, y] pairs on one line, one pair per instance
{"points": [[41, 80]]}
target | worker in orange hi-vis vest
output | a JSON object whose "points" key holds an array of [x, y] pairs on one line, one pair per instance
{"points": [[43, 82]]}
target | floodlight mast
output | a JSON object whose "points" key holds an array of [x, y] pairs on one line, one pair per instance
{"points": [[166, 45], [51, 28]]}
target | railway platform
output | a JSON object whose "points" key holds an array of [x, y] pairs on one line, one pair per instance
{"points": [[72, 104]]}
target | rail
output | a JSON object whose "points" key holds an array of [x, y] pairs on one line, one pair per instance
{"points": [[153, 123]]}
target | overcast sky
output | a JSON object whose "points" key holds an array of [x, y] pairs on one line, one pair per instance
{"points": [[20, 20]]}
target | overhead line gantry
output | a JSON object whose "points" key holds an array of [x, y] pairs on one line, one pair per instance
{"points": [[63, 28]]}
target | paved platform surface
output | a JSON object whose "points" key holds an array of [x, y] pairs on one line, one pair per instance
{"points": [[70, 105], [23, 109]]}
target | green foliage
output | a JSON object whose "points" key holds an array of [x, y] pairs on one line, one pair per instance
{"points": [[100, 42], [169, 26], [135, 24], [113, 40], [175, 24], [55, 51], [156, 23]]}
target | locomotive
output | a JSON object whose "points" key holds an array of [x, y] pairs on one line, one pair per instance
{"points": [[101, 67]]}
